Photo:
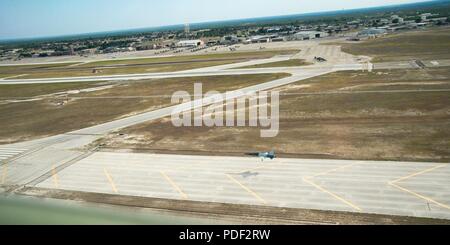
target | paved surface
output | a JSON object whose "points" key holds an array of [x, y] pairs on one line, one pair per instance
{"points": [[193, 73], [222, 71], [9, 152], [411, 64], [395, 188], [278, 58]]}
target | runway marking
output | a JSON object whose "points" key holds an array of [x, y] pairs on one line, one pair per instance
{"points": [[247, 189], [111, 181], [428, 199], [4, 172], [16, 76], [174, 185], [55, 177], [419, 173], [332, 194], [309, 181]]}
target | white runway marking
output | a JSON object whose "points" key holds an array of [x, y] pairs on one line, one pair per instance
{"points": [[7, 153]]}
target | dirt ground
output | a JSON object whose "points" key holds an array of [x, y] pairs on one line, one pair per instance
{"points": [[385, 115], [422, 44], [22, 118]]}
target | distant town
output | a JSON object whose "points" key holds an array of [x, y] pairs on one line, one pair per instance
{"points": [[359, 26]]}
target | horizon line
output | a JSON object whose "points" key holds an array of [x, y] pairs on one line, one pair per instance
{"points": [[199, 23]]}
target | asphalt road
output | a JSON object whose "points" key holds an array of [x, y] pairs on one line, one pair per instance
{"points": [[393, 188]]}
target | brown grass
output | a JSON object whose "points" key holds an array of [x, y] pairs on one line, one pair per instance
{"points": [[319, 120], [34, 119], [424, 44], [32, 90]]}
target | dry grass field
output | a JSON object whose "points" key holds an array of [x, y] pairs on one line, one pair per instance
{"points": [[385, 115], [423, 44], [33, 111]]}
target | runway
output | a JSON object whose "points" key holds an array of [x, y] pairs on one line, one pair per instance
{"points": [[193, 73], [9, 152], [393, 188], [227, 70]]}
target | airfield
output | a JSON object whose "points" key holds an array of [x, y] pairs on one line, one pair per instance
{"points": [[72, 162]]}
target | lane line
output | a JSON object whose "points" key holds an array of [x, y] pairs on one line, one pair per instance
{"points": [[428, 199], [15, 76], [174, 185], [419, 173], [55, 177], [420, 196], [308, 180], [111, 181], [247, 189], [332, 194]]}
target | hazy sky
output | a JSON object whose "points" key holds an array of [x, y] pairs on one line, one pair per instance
{"points": [[32, 18]]}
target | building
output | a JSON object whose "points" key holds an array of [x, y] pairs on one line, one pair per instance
{"points": [[279, 39], [90, 51], [229, 40], [190, 43], [397, 19], [308, 35], [213, 42], [441, 19], [425, 16], [146, 46], [260, 39], [383, 21], [372, 32]]}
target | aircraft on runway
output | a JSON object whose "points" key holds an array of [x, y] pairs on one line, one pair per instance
{"points": [[320, 59], [263, 155]]}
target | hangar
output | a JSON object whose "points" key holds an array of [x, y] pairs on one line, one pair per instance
{"points": [[372, 32], [190, 43], [308, 35]]}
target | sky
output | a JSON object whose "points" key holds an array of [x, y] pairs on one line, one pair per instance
{"points": [[42, 18]]}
